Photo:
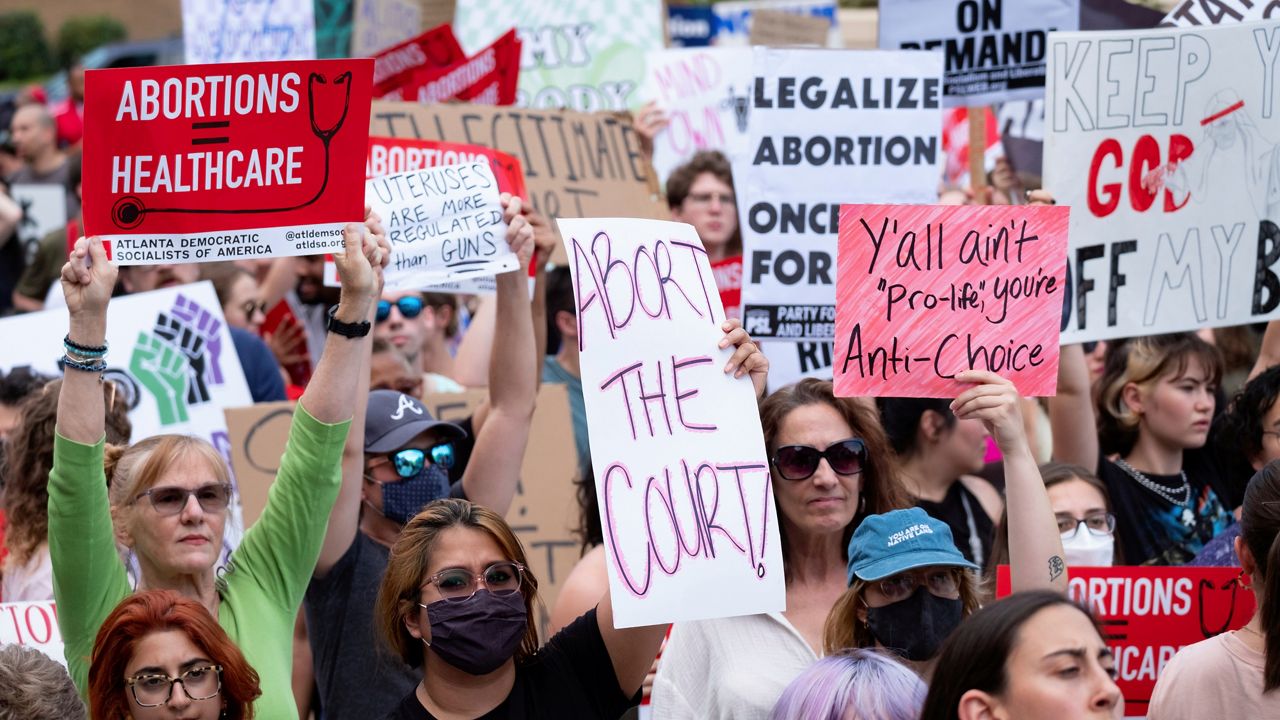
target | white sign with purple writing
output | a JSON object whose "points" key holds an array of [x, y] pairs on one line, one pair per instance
{"points": [[681, 472]]}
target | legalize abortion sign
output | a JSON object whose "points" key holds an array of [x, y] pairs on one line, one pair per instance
{"points": [[1165, 144], [213, 162]]}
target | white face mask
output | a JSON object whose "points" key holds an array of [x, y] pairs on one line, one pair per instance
{"points": [[1089, 550]]}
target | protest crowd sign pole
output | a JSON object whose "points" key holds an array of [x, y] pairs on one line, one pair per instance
{"points": [[977, 152]]}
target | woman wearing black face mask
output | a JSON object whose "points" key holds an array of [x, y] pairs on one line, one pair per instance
{"points": [[909, 586], [457, 601]]}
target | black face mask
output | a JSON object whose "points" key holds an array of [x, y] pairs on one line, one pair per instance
{"points": [[479, 634], [914, 628]]}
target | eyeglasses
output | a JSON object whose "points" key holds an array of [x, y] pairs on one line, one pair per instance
{"points": [[799, 462], [409, 461], [1271, 432], [249, 307], [1097, 524], [199, 683], [410, 306], [213, 497], [943, 583], [706, 198], [457, 584]]}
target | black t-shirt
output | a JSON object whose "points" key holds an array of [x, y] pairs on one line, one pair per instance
{"points": [[462, 450], [962, 512], [570, 677], [1154, 531]]}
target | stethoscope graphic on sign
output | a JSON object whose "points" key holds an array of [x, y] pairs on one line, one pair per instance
{"points": [[1234, 585], [128, 212]]}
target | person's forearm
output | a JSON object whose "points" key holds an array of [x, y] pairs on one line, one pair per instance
{"points": [[81, 408], [1075, 434], [1035, 546], [471, 363], [26, 304], [331, 394], [1269, 353], [512, 375], [280, 279]]}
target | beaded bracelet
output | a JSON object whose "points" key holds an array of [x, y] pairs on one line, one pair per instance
{"points": [[84, 350], [100, 366]]}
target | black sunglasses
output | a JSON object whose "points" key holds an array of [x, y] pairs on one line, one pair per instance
{"points": [[409, 461], [800, 462], [410, 306]]}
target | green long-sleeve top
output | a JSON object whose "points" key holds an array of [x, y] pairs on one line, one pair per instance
{"points": [[267, 576]]}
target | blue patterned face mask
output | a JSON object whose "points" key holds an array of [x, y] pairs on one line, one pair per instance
{"points": [[402, 500]]}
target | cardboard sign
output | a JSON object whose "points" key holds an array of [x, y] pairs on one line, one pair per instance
{"points": [[170, 354], [34, 625], [681, 473], [734, 20], [543, 513], [575, 164], [435, 48], [827, 127], [211, 163], [44, 209], [1164, 142], [580, 54], [995, 50], [229, 31], [1149, 613], [379, 24], [1193, 13], [784, 29], [487, 78], [444, 223], [926, 291], [705, 93]]}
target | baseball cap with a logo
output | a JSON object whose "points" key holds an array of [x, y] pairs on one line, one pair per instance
{"points": [[393, 419], [899, 540]]}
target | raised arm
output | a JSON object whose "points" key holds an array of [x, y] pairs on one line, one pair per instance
{"points": [[87, 281], [1269, 353], [1075, 431], [631, 650], [330, 397], [502, 428], [344, 520], [1035, 547]]}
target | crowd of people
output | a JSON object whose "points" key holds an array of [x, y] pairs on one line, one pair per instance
{"points": [[383, 580]]}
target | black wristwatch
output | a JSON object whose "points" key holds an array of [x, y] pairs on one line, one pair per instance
{"points": [[345, 329]]}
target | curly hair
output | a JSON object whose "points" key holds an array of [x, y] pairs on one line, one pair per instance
{"points": [[682, 178], [34, 686], [1241, 424], [30, 458], [1143, 361]]}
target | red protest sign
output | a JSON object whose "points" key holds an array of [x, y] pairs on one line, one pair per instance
{"points": [[489, 77], [435, 48], [388, 156], [196, 163], [925, 291], [1149, 613]]}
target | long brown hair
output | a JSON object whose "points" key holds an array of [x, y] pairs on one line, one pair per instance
{"points": [[844, 630], [30, 458], [881, 489], [1260, 531], [152, 611], [410, 557]]}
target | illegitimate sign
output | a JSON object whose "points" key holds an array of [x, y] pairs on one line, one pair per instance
{"points": [[207, 163], [681, 472], [925, 291], [1164, 142]]}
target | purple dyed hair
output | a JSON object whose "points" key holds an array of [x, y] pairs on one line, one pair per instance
{"points": [[868, 682]]}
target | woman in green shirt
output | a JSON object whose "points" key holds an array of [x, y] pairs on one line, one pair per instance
{"points": [[168, 495]]}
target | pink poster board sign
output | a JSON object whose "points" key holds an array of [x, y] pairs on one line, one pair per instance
{"points": [[925, 291]]}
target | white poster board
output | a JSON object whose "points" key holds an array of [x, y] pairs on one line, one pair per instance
{"points": [[379, 24], [705, 93], [681, 474], [33, 625], [733, 19], [169, 351], [583, 55], [44, 209], [444, 224], [218, 31], [994, 49], [1193, 13], [827, 127], [1164, 143]]}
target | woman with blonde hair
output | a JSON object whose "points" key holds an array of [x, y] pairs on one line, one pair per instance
{"points": [[458, 601], [169, 494]]}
